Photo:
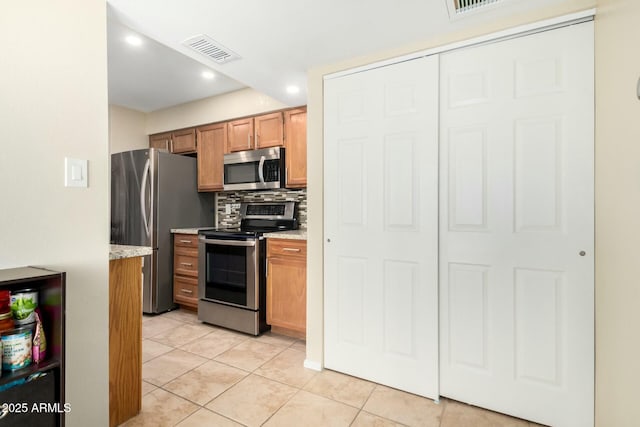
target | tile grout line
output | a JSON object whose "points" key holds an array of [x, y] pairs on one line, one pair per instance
{"points": [[361, 409], [282, 406]]}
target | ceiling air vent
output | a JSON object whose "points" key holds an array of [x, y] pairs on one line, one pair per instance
{"points": [[459, 7], [210, 48]]}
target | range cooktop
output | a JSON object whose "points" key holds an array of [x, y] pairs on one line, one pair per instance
{"points": [[257, 219]]}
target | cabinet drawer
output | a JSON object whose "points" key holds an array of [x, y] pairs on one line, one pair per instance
{"points": [[186, 240], [286, 247], [185, 290], [185, 262]]}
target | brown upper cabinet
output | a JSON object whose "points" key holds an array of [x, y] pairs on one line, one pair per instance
{"points": [[211, 145], [256, 132], [211, 142], [269, 130], [179, 141], [295, 126], [184, 141], [161, 141], [240, 135]]}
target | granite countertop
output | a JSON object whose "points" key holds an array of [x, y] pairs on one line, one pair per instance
{"points": [[189, 230], [300, 234], [125, 251]]}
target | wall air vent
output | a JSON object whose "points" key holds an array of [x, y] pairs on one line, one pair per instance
{"points": [[461, 7], [210, 48]]}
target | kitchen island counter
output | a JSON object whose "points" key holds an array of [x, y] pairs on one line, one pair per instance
{"points": [[125, 331], [126, 251]]}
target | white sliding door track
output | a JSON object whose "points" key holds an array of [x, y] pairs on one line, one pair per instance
{"points": [[521, 30]]}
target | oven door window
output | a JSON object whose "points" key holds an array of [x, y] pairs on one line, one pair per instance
{"points": [[229, 271]]}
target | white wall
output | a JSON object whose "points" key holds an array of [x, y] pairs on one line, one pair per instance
{"points": [[617, 213], [53, 103], [127, 129], [244, 102]]}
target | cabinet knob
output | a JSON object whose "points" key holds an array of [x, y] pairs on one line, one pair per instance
{"points": [[582, 253], [328, 240]]}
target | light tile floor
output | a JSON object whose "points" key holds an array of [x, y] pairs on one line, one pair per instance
{"points": [[197, 375]]}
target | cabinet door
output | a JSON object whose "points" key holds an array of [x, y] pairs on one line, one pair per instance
{"points": [[161, 141], [295, 126], [287, 293], [240, 136], [211, 142], [269, 130], [184, 141], [381, 217]]}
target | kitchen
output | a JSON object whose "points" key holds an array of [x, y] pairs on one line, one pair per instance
{"points": [[69, 128]]}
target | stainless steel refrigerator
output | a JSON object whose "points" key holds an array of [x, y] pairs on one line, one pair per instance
{"points": [[153, 191]]}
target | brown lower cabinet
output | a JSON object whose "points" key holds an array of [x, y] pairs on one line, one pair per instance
{"points": [[287, 286], [185, 270]]}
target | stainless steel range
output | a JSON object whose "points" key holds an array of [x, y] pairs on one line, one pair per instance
{"points": [[232, 267]]}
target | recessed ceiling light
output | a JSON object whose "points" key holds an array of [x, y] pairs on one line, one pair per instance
{"points": [[208, 74], [134, 40], [292, 90]]}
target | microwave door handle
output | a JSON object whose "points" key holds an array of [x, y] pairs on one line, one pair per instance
{"points": [[143, 191], [261, 169]]}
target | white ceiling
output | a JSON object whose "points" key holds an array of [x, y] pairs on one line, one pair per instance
{"points": [[277, 40]]}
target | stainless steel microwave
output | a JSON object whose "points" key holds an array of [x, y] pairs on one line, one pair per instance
{"points": [[254, 169]]}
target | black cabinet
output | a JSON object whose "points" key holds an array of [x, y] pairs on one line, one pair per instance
{"points": [[37, 396]]}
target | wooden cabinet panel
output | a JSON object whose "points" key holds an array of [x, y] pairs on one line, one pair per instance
{"points": [[185, 270], [125, 339], [185, 262], [179, 141], [184, 141], [287, 286], [161, 141], [211, 145], [186, 240], [240, 135], [287, 248], [185, 290], [295, 125], [269, 130]]}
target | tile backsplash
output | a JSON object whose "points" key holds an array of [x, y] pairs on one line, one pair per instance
{"points": [[234, 197]]}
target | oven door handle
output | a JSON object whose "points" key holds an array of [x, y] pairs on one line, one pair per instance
{"points": [[245, 243]]}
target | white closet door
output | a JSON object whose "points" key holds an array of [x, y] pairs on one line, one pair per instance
{"points": [[381, 225], [516, 226]]}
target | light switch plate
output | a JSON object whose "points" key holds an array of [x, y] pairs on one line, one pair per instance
{"points": [[75, 173]]}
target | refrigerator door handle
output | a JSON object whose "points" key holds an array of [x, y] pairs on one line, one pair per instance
{"points": [[261, 169], [143, 191]]}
